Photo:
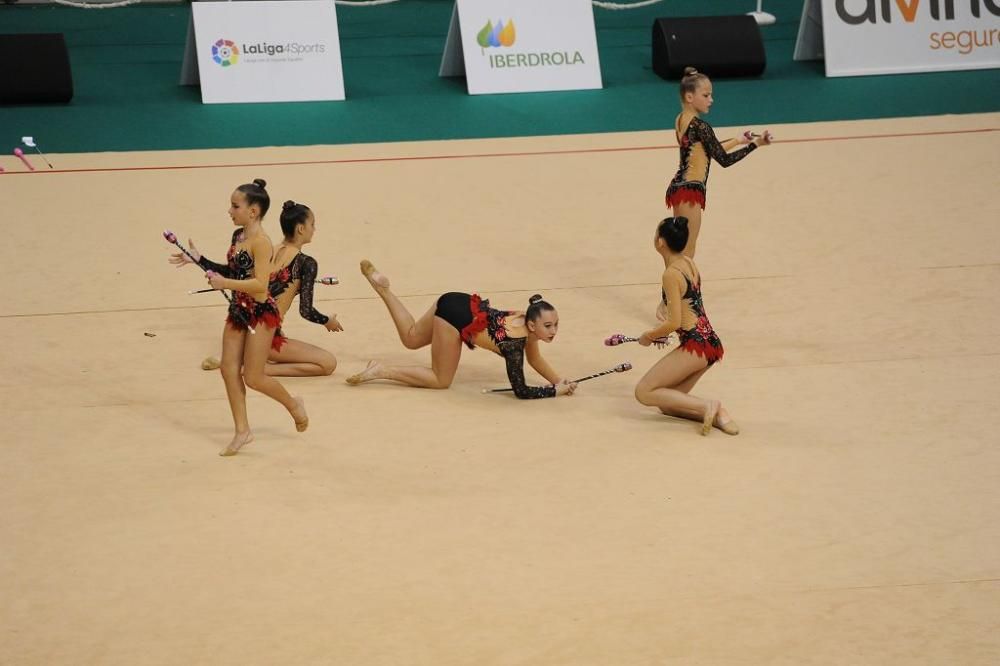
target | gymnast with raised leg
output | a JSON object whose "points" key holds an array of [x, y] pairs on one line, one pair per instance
{"points": [[687, 191], [252, 310], [295, 274], [667, 385], [458, 318]]}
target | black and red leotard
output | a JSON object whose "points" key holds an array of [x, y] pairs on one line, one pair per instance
{"points": [[303, 268], [470, 315], [699, 147], [695, 332], [244, 310]]}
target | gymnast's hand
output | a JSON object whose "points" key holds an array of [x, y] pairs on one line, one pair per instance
{"points": [[565, 387], [646, 339], [179, 259], [333, 325], [216, 280]]}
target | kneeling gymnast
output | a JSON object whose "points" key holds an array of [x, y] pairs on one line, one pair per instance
{"points": [[456, 318]]}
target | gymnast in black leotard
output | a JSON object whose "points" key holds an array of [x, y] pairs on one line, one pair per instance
{"points": [[456, 318], [246, 275], [667, 385], [687, 191]]}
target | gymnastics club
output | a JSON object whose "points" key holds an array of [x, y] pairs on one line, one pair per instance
{"points": [[621, 367], [749, 136], [620, 339], [30, 143], [20, 156], [328, 280]]}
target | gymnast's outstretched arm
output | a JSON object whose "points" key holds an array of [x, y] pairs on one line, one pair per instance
{"points": [[715, 149], [534, 357]]}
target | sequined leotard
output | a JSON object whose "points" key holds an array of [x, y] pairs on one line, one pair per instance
{"points": [[695, 331], [470, 315], [244, 311], [698, 148], [303, 268]]}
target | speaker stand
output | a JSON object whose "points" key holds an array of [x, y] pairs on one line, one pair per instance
{"points": [[762, 17]]}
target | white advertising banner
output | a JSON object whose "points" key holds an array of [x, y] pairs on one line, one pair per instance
{"points": [[897, 36], [505, 46], [286, 51]]}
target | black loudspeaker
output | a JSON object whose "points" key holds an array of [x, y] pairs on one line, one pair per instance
{"points": [[34, 69], [721, 46]]}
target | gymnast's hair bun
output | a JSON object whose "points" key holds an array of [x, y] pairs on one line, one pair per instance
{"points": [[534, 299], [288, 204], [260, 182], [690, 71], [681, 222]]}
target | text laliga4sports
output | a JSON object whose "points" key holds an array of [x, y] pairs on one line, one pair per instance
{"points": [[293, 48]]}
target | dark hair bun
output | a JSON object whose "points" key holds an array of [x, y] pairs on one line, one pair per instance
{"points": [[288, 204], [534, 299], [690, 71], [681, 222], [260, 182]]}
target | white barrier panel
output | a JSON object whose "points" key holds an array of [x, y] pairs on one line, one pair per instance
{"points": [[287, 51], [505, 46], [896, 36]]}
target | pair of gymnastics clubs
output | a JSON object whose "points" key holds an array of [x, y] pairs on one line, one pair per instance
{"points": [[750, 136], [329, 281], [621, 367], [171, 238], [621, 338]]}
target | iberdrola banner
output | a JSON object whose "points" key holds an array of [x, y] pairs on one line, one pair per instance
{"points": [[504, 46]]}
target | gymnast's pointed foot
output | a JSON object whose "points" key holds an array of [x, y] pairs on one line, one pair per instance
{"points": [[210, 363], [300, 416], [371, 371], [377, 279], [240, 440], [724, 423], [711, 411]]}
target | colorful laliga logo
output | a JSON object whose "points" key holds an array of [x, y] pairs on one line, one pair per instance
{"points": [[225, 53], [497, 35]]}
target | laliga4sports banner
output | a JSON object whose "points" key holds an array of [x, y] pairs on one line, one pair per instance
{"points": [[895, 36], [287, 51], [504, 46]]}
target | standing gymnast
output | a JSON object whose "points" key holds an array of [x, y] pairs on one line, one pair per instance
{"points": [[456, 318], [246, 274], [295, 273], [698, 147], [667, 384]]}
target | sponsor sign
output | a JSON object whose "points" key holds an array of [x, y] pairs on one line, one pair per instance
{"points": [[897, 36], [504, 46], [286, 51]]}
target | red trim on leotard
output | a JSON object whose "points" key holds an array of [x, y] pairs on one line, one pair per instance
{"points": [[478, 323], [706, 350], [685, 195], [278, 341]]}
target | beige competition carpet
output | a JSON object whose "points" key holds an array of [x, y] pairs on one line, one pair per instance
{"points": [[852, 271]]}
